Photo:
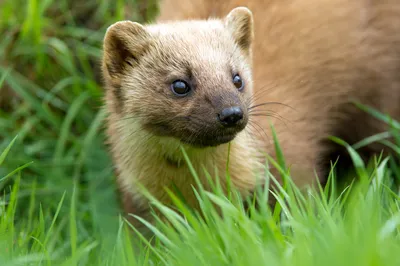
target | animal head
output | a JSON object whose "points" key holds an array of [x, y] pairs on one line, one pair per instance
{"points": [[190, 80]]}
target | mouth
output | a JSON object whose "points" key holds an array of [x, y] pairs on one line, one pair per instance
{"points": [[210, 141], [199, 137]]}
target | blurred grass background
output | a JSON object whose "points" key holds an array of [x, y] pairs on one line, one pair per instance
{"points": [[51, 98], [58, 203]]}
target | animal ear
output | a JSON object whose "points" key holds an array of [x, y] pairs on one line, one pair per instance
{"points": [[124, 43], [240, 22]]}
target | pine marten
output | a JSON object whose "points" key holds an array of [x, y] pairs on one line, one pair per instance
{"points": [[211, 76]]}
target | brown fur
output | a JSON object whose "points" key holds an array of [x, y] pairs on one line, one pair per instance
{"points": [[314, 56], [148, 124]]}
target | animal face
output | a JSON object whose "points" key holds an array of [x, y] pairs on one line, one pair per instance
{"points": [[187, 80]]}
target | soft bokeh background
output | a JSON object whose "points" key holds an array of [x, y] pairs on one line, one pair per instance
{"points": [[51, 99]]}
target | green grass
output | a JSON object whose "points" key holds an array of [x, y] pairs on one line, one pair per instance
{"points": [[58, 201]]}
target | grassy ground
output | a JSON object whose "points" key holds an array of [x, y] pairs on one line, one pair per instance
{"points": [[58, 203]]}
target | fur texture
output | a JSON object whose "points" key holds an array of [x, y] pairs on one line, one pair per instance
{"points": [[310, 59], [316, 56], [148, 124]]}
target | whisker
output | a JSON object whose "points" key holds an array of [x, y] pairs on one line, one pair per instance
{"points": [[260, 92], [266, 111], [269, 113], [269, 103], [258, 128], [248, 132], [262, 111], [273, 116]]}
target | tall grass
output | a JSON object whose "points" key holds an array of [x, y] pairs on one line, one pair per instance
{"points": [[322, 226], [49, 69], [59, 205]]}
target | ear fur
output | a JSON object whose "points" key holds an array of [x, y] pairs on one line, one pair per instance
{"points": [[124, 43], [240, 22]]}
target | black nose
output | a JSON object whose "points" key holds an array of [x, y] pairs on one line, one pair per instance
{"points": [[229, 117]]}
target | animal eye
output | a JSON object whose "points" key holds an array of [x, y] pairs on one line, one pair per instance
{"points": [[180, 87], [238, 82]]}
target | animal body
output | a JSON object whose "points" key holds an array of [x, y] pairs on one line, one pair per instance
{"points": [[211, 77]]}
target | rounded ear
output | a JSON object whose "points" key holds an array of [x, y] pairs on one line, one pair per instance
{"points": [[124, 43], [240, 22]]}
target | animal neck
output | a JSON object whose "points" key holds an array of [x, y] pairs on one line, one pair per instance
{"points": [[163, 162]]}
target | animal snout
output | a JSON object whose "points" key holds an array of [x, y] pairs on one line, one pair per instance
{"points": [[231, 116]]}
